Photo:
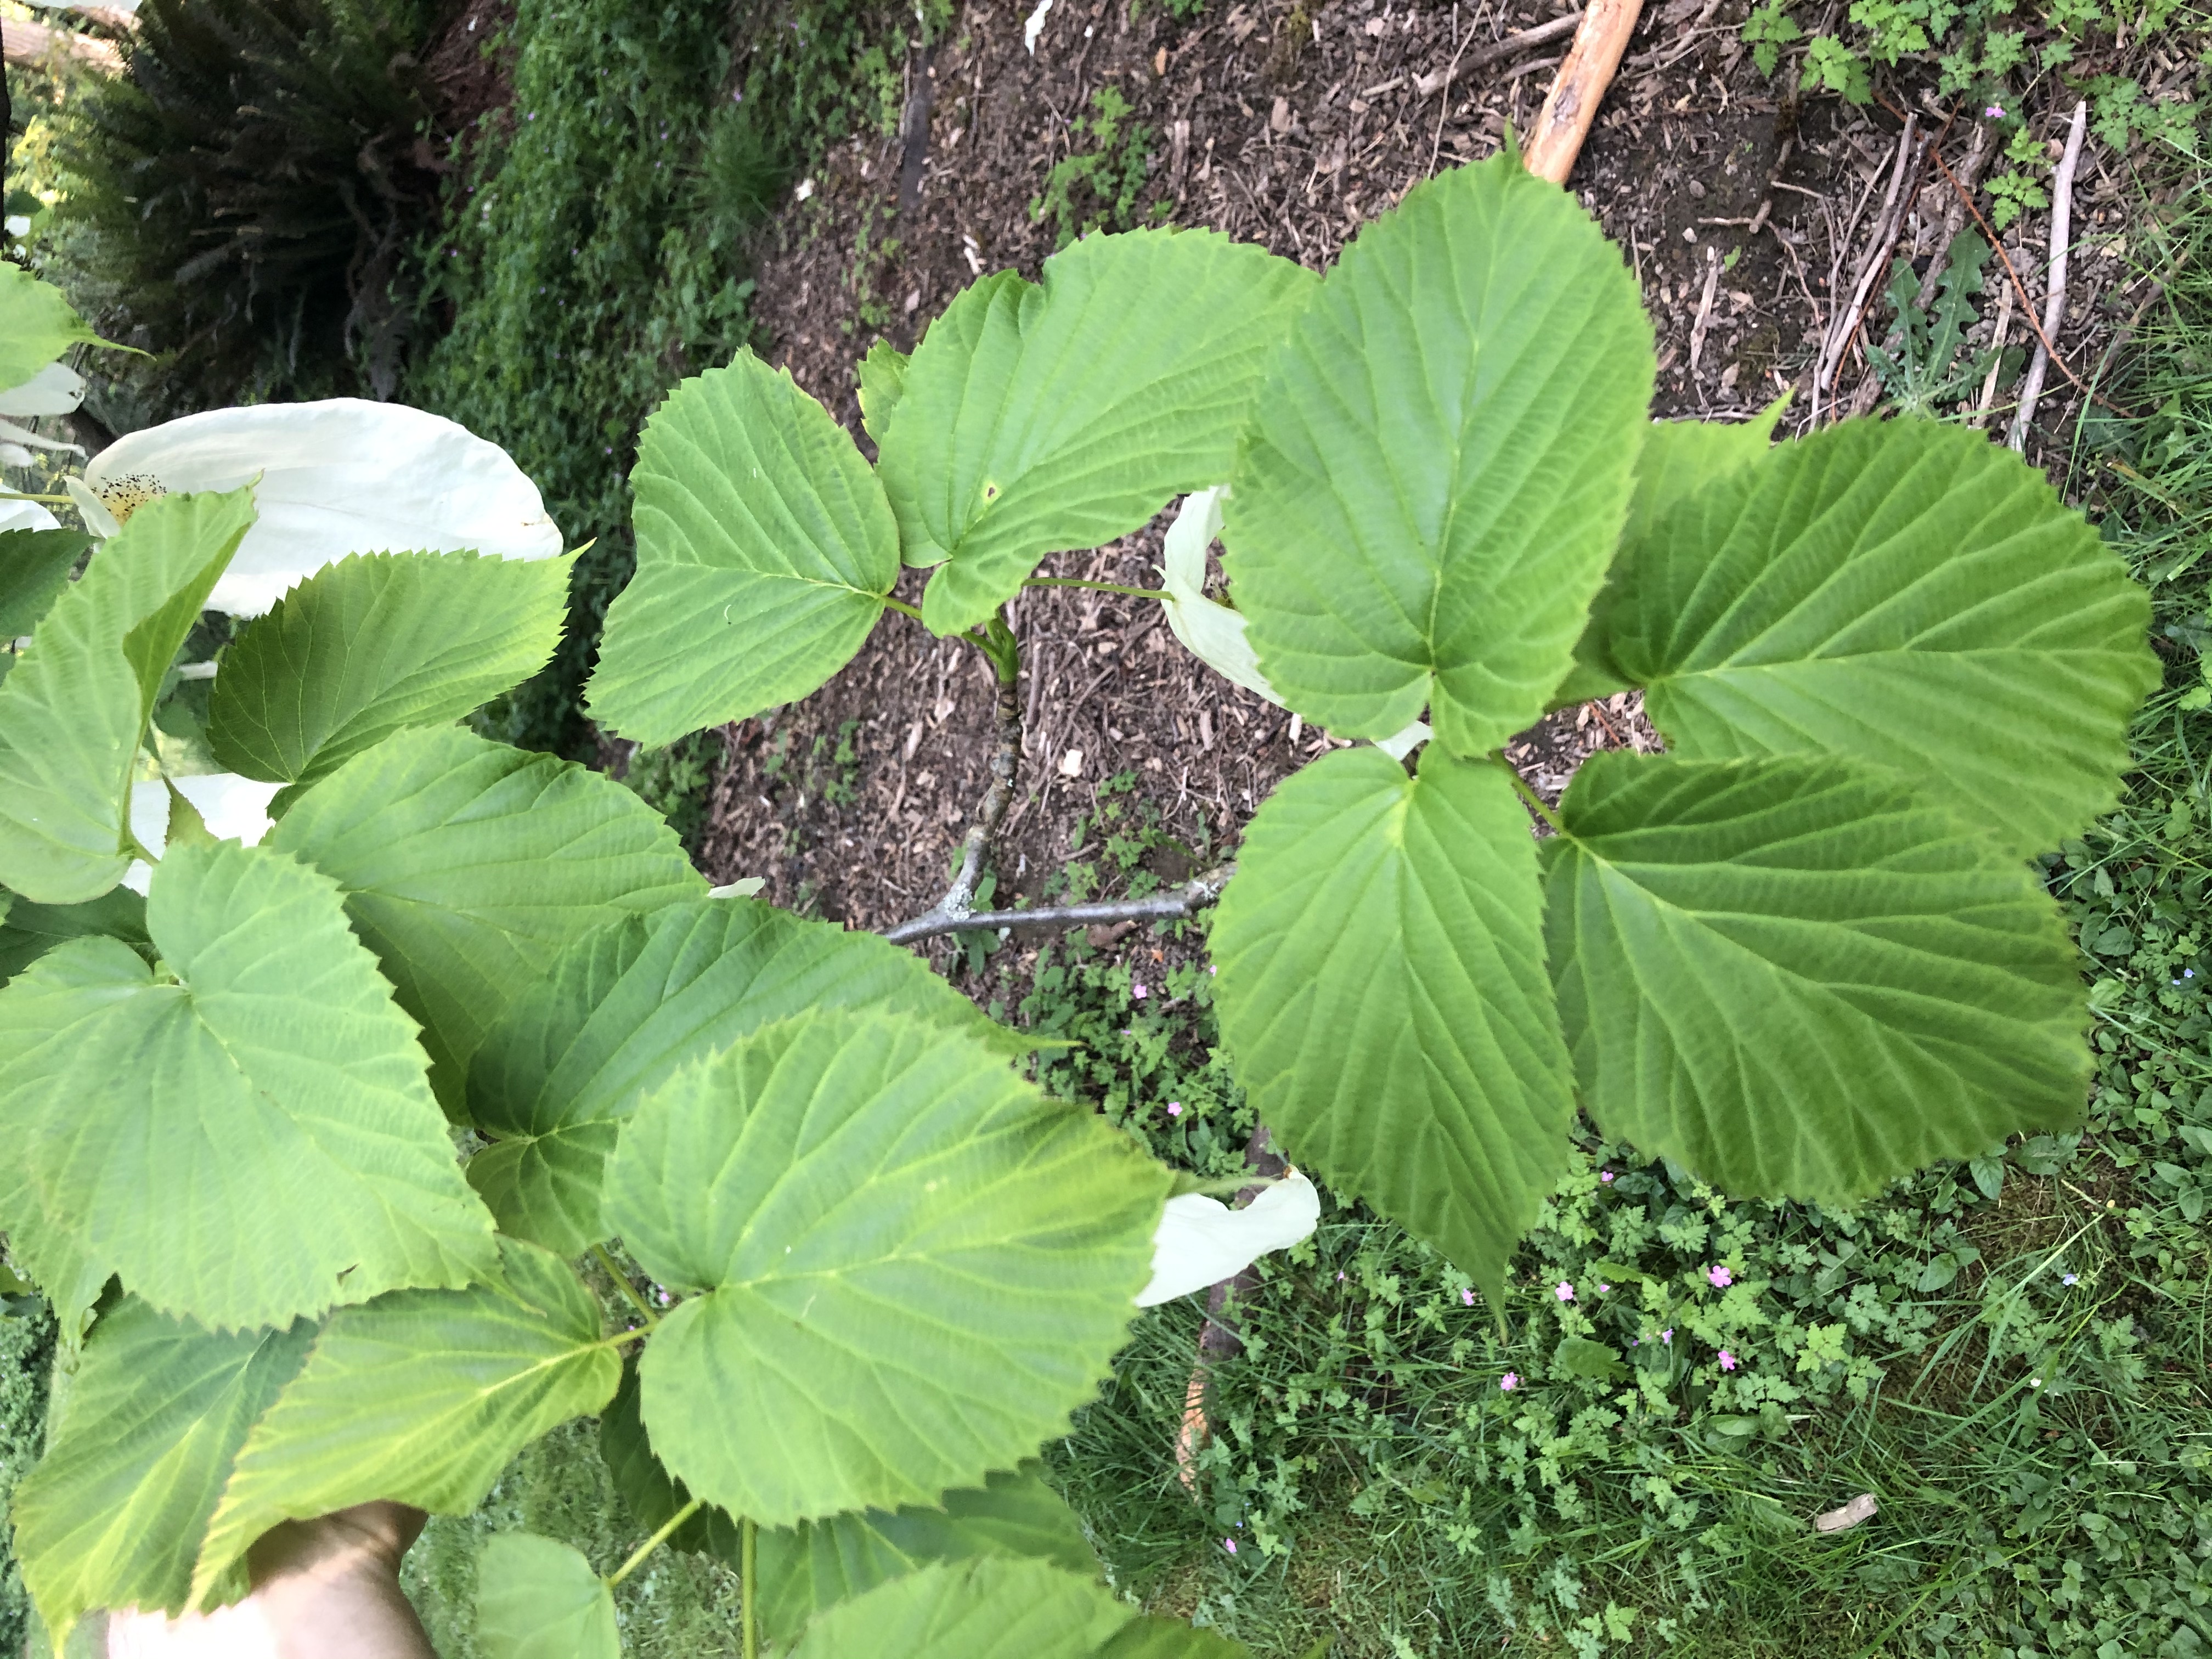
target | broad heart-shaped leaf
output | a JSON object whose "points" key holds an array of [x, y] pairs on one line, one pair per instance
{"points": [[1034, 418], [539, 1599], [247, 1136], [1001, 1609], [1797, 978], [33, 566], [764, 551], [375, 642], [72, 711], [467, 865], [37, 325], [911, 1265], [1382, 992], [1438, 463], [883, 382], [1904, 591], [28, 931], [623, 1008], [802, 1570], [139, 1454], [420, 1396], [48, 1250]]}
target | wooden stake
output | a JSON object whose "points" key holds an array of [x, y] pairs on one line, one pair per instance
{"points": [[1571, 104]]}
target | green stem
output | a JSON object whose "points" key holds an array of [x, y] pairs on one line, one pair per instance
{"points": [[644, 1309], [638, 1555], [1535, 801], [746, 1549], [996, 640], [44, 501], [1102, 587], [902, 607]]}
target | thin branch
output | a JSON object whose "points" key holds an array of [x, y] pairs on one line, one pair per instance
{"points": [[2054, 307], [1102, 587], [1846, 322], [1173, 905], [1543, 34], [638, 1555], [622, 1280], [952, 911]]}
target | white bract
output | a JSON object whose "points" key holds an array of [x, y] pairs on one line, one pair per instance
{"points": [[232, 808], [1201, 1241], [56, 389], [343, 476], [25, 516]]}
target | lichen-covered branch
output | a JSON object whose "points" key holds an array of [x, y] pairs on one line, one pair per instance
{"points": [[1172, 905]]}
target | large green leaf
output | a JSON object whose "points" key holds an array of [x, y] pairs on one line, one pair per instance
{"points": [[37, 325], [764, 551], [245, 1133], [1034, 418], [74, 708], [1439, 463], [468, 865], [34, 564], [911, 1267], [1904, 591], [804, 1570], [1796, 977], [49, 1251], [422, 1397], [1382, 992], [142, 1443], [1001, 1609], [621, 1010], [537, 1599], [28, 931], [376, 642]]}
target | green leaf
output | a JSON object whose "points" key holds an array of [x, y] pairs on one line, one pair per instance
{"points": [[1578, 1356], [1794, 977], [1903, 591], [34, 565], [243, 1134], [376, 642], [911, 1265], [1001, 1609], [1382, 992], [537, 1599], [802, 1570], [28, 931], [37, 325], [883, 382], [623, 1008], [764, 551], [422, 1397], [467, 865], [48, 1250], [1036, 418], [144, 1439], [1439, 463], [75, 706]]}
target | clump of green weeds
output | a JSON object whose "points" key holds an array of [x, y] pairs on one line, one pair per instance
{"points": [[1097, 186], [1928, 366]]}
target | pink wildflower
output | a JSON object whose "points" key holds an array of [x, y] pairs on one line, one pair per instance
{"points": [[1175, 1108], [1467, 1297], [1229, 1544], [1995, 112], [1605, 1176], [1565, 1291], [1667, 1336], [1602, 1287], [1138, 991], [1719, 1278], [1510, 1382], [1728, 1360]]}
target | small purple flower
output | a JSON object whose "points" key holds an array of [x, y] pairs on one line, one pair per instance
{"points": [[2070, 1279], [1565, 1291], [1728, 1360], [1175, 1109], [1339, 1276], [1995, 113], [1719, 1278], [1605, 1176], [1510, 1382], [1467, 1297], [1667, 1336], [1229, 1544], [1209, 968], [1138, 991], [1602, 1287]]}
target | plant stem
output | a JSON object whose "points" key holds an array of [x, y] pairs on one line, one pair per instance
{"points": [[1102, 587], [749, 1536], [996, 641], [1535, 801], [638, 1555], [902, 607], [1173, 905], [44, 501], [644, 1309]]}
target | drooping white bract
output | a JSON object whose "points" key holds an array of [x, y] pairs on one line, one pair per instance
{"points": [[339, 477], [232, 808], [1212, 631], [56, 389], [25, 516], [1201, 1241]]}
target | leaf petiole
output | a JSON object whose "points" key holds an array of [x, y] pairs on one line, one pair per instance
{"points": [[44, 501], [1535, 800], [902, 607], [644, 1309], [638, 1555], [748, 1549], [1102, 587]]}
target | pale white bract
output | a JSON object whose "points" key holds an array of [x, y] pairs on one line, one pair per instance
{"points": [[339, 477], [56, 389], [1201, 1241], [232, 808], [1212, 631], [25, 516]]}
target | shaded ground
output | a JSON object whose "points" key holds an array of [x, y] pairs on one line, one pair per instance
{"points": [[1288, 126]]}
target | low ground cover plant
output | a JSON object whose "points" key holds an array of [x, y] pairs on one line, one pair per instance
{"points": [[878, 1266]]}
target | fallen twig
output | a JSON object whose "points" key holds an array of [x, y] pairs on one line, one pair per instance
{"points": [[1977, 156], [1543, 34], [1997, 360], [2054, 307], [1846, 322], [1704, 306], [1571, 104], [1192, 896]]}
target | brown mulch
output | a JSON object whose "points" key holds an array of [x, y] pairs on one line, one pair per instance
{"points": [[1287, 125]]}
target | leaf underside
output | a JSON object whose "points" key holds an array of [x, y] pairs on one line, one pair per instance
{"points": [[1382, 992], [1797, 979], [539, 1599]]}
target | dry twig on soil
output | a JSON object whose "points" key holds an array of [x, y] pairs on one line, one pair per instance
{"points": [[2054, 307], [1571, 104]]}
